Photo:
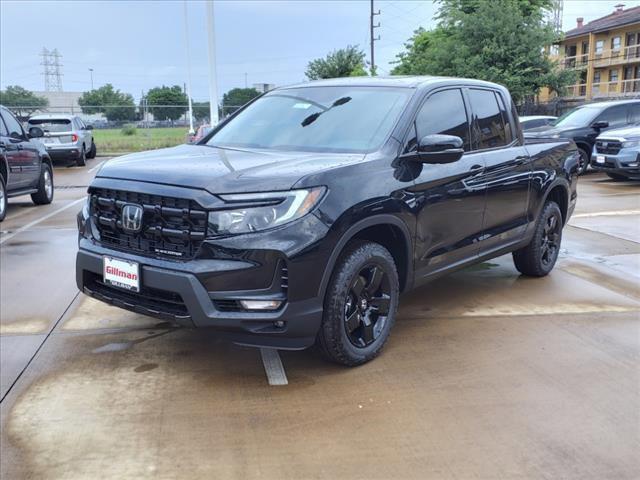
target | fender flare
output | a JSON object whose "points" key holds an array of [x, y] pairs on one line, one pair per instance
{"points": [[563, 182], [382, 219]]}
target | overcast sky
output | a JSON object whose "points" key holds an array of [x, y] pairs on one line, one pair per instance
{"points": [[137, 45]]}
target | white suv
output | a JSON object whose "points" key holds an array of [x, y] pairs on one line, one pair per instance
{"points": [[65, 137]]}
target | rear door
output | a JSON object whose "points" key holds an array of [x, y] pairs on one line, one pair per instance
{"points": [[507, 173], [449, 199]]}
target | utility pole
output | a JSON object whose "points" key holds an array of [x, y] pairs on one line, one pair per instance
{"points": [[373, 39], [186, 43], [245, 80], [91, 72], [52, 73], [213, 85]]}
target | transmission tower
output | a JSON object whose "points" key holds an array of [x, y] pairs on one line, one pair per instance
{"points": [[52, 70], [556, 15]]}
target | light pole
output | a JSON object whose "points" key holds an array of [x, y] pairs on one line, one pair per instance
{"points": [[186, 36], [91, 73], [213, 87]]}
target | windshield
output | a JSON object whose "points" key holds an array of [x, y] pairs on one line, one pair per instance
{"points": [[578, 117], [52, 125], [316, 119]]}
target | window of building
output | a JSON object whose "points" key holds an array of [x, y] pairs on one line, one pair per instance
{"points": [[488, 127], [616, 43], [444, 113], [596, 76], [613, 75], [599, 47]]}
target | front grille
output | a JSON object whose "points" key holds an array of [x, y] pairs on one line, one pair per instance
{"points": [[171, 227], [608, 147], [151, 300]]}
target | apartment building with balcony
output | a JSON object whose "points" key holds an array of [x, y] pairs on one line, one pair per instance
{"points": [[606, 55]]}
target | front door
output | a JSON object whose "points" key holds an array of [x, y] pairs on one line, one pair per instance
{"points": [[450, 200], [21, 156]]}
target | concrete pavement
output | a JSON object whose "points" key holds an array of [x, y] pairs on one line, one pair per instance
{"points": [[487, 374]]}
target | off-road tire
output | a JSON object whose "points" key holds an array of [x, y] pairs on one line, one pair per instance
{"points": [[81, 161], [530, 259], [3, 198], [44, 195], [333, 340]]}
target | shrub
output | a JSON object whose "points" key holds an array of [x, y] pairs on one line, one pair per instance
{"points": [[129, 130]]}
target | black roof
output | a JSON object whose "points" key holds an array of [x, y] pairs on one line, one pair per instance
{"points": [[613, 20], [390, 81]]}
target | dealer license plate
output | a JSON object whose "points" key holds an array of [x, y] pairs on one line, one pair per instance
{"points": [[600, 158], [121, 273], [50, 140]]}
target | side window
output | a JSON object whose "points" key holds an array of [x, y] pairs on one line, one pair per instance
{"points": [[444, 113], [3, 129], [508, 127], [634, 112], [616, 116], [488, 125], [80, 123], [13, 126]]}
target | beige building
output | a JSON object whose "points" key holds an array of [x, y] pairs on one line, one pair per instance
{"points": [[606, 54]]}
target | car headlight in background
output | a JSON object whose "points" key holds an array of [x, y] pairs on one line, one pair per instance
{"points": [[261, 211], [631, 143]]}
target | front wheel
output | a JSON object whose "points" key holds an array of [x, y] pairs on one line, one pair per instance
{"points": [[3, 198], [360, 304], [539, 257], [44, 195], [583, 160]]}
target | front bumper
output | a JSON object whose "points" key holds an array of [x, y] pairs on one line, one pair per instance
{"points": [[626, 162], [204, 291]]}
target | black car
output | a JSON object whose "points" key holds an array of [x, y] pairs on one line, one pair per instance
{"points": [[25, 167], [583, 124], [302, 217]]}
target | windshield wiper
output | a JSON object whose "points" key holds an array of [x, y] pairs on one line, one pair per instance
{"points": [[314, 116]]}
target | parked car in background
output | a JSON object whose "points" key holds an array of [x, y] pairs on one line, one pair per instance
{"points": [[307, 212], [25, 165], [66, 137], [536, 121], [617, 153], [583, 124]]}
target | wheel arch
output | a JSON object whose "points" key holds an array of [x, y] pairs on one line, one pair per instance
{"points": [[4, 169], [558, 192], [387, 230]]}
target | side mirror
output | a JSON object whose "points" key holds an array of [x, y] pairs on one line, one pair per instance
{"points": [[599, 125], [88, 127], [16, 136], [440, 149], [36, 132]]}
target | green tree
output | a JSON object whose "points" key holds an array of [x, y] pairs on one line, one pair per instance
{"points": [[502, 41], [346, 62], [201, 110], [167, 103], [112, 103], [21, 101], [237, 97]]}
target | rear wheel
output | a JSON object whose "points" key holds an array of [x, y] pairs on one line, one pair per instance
{"points": [[92, 150], [539, 257], [82, 159], [616, 177], [3, 198], [583, 161], [44, 195], [360, 305]]}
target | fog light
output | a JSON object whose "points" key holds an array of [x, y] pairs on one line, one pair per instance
{"points": [[261, 304], [634, 164]]}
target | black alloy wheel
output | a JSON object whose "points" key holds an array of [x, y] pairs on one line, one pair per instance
{"points": [[550, 243], [367, 305]]}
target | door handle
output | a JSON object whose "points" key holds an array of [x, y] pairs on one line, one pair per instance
{"points": [[20, 147], [475, 168]]}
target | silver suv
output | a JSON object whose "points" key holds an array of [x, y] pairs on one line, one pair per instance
{"points": [[65, 137]]}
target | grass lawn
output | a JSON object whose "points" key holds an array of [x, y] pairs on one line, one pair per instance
{"points": [[113, 141]]}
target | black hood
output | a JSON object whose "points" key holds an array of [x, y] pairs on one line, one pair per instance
{"points": [[546, 131], [222, 170]]}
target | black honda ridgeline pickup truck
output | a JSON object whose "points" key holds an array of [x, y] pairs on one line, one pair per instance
{"points": [[302, 217]]}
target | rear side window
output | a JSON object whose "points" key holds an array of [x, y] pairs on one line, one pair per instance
{"points": [[634, 113], [3, 129], [444, 113], [489, 130], [616, 116], [508, 130], [13, 126], [52, 124]]}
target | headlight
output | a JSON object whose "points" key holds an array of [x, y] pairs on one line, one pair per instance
{"points": [[631, 143], [260, 211], [555, 135]]}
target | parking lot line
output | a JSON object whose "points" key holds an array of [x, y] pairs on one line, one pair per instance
{"points": [[97, 166], [611, 213], [273, 367], [41, 219]]}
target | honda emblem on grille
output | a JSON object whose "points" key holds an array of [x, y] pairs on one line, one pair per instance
{"points": [[132, 218]]}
